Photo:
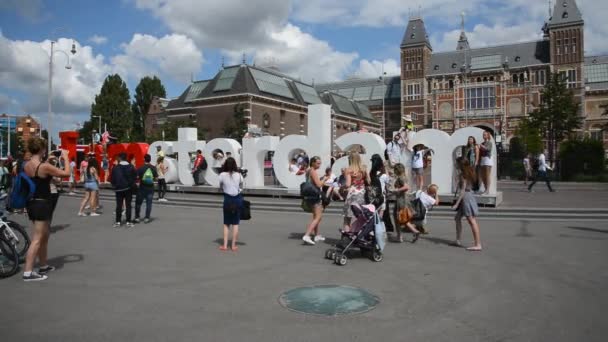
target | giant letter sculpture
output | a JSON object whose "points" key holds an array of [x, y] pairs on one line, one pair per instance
{"points": [[372, 144], [254, 151], [185, 144], [224, 145]]}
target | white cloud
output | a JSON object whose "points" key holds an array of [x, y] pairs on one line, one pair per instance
{"points": [[483, 35], [175, 56], [97, 39], [371, 69]]}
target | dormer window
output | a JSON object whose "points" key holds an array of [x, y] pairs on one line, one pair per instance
{"points": [[565, 15], [517, 58], [453, 65], [436, 67], [413, 36]]}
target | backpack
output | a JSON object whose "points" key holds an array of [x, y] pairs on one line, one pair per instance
{"points": [[373, 193], [308, 191], [23, 190], [148, 177], [203, 165], [535, 163], [419, 210]]}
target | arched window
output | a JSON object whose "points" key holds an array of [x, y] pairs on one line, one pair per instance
{"points": [[515, 78], [478, 79], [451, 84], [485, 79]]}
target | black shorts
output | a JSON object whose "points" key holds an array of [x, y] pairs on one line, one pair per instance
{"points": [[39, 209]]}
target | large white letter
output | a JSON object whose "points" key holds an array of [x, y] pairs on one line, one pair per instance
{"points": [[185, 144], [254, 151], [372, 143], [224, 145], [165, 146], [317, 143]]}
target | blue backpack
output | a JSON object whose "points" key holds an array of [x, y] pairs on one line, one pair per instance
{"points": [[23, 190]]}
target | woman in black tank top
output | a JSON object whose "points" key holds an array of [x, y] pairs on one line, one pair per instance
{"points": [[39, 207]]}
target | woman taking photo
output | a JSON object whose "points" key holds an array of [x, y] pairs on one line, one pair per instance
{"points": [[161, 169], [39, 207], [485, 150], [356, 179], [230, 184], [315, 204], [91, 186], [471, 154], [466, 205]]}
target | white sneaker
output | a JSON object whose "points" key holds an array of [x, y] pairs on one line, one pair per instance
{"points": [[319, 238], [87, 207], [94, 214], [308, 240]]}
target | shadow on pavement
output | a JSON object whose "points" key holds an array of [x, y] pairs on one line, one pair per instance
{"points": [[59, 227], [523, 230], [439, 241], [296, 236], [221, 242], [586, 229], [60, 261]]}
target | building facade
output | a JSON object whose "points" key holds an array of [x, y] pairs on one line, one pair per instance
{"points": [[492, 87], [27, 127], [273, 103]]}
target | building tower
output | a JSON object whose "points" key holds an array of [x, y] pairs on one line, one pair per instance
{"points": [[566, 36], [416, 53], [463, 41]]}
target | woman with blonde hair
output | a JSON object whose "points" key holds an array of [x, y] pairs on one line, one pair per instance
{"points": [[400, 190], [356, 179], [39, 207]]}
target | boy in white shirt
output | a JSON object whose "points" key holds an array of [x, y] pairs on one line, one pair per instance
{"points": [[429, 199]]}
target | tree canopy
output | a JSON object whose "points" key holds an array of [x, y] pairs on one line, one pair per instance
{"points": [[147, 88], [113, 105]]}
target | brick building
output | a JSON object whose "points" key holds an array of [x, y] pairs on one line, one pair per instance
{"points": [[275, 103], [492, 87], [27, 127]]}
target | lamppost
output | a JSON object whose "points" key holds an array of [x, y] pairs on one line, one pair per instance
{"points": [[381, 79], [50, 99]]}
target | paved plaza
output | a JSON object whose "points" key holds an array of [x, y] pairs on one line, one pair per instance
{"points": [[167, 281]]}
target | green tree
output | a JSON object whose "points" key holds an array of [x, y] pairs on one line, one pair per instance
{"points": [[236, 127], [581, 157], [170, 129], [114, 106], [529, 136], [557, 115], [147, 88]]}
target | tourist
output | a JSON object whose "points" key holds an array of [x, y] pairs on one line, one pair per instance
{"points": [[39, 207], [429, 199], [197, 167], [83, 169], [527, 169], [541, 172], [53, 186], [485, 151], [314, 204], [466, 205], [159, 152], [105, 166], [91, 186], [293, 166], [147, 175], [123, 180], [356, 179], [418, 165], [330, 185], [394, 149], [471, 153], [4, 178], [378, 177], [231, 182], [161, 170], [72, 179], [387, 179], [400, 190]]}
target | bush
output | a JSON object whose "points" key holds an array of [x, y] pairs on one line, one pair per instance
{"points": [[581, 157], [602, 178]]}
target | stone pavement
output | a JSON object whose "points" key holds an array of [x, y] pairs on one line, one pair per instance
{"points": [[167, 281]]}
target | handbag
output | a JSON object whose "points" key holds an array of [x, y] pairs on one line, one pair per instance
{"points": [[379, 231], [404, 216], [246, 210], [309, 191]]}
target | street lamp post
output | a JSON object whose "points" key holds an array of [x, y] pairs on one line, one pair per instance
{"points": [[381, 79], [50, 95]]}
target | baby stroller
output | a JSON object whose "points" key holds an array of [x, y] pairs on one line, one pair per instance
{"points": [[361, 235]]}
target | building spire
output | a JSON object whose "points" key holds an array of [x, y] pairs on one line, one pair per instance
{"points": [[463, 41], [549, 2]]}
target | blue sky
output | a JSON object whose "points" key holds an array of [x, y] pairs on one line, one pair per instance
{"points": [[174, 39]]}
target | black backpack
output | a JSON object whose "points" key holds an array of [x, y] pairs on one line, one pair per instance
{"points": [[203, 165], [419, 210], [535, 163]]}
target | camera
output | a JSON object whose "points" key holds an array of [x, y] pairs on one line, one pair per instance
{"points": [[56, 153], [243, 172]]}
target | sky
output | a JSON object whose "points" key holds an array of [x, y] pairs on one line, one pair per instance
{"points": [[180, 40]]}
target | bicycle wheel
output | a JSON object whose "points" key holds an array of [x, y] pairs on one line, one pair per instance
{"points": [[23, 239], [9, 259]]}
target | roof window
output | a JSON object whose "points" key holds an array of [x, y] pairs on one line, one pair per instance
{"points": [[517, 58], [453, 65], [436, 67], [565, 15], [413, 36]]}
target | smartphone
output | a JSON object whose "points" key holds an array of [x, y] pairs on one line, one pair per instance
{"points": [[56, 153]]}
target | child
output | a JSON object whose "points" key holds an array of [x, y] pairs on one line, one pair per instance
{"points": [[330, 185], [428, 198]]}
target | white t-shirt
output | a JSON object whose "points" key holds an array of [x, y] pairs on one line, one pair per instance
{"points": [[426, 200], [384, 182], [542, 164], [293, 168], [231, 183], [330, 180], [418, 160], [393, 150], [486, 161]]}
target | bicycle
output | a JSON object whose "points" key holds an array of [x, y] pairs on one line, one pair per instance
{"points": [[14, 233], [9, 258]]}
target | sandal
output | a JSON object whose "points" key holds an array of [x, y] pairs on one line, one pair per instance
{"points": [[416, 237], [235, 248], [222, 248]]}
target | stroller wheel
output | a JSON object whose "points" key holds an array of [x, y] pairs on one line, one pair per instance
{"points": [[377, 255], [329, 254], [340, 259]]}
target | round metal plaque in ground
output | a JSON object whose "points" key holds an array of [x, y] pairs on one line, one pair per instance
{"points": [[329, 300]]}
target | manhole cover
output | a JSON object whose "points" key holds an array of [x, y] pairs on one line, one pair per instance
{"points": [[329, 300]]}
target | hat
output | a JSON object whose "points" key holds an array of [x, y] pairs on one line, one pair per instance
{"points": [[407, 118]]}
